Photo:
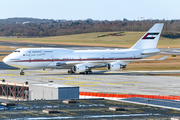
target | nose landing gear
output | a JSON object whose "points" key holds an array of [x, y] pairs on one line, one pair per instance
{"points": [[21, 72]]}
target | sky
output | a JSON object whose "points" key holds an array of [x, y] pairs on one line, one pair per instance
{"points": [[94, 9]]}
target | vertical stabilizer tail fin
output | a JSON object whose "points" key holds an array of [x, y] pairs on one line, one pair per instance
{"points": [[150, 39]]}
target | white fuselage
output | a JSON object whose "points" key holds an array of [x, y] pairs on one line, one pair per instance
{"points": [[63, 58]]}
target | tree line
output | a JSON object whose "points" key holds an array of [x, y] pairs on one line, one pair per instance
{"points": [[30, 27]]}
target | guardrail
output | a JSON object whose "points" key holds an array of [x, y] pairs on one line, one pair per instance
{"points": [[109, 95]]}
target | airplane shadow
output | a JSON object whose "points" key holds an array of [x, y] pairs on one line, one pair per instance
{"points": [[4, 66], [104, 73]]}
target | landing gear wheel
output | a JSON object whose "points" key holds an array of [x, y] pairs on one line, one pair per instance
{"points": [[71, 71], [22, 73], [88, 72]]}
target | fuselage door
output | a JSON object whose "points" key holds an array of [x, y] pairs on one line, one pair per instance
{"points": [[29, 58], [103, 57], [134, 55], [52, 59], [42, 52], [79, 57]]}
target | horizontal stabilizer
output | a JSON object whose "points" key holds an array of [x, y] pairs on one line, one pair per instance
{"points": [[162, 58], [151, 51]]}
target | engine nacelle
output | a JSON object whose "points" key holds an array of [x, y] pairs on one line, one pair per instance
{"points": [[113, 66], [79, 68]]}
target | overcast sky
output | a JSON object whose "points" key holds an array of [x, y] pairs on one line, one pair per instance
{"points": [[94, 9]]}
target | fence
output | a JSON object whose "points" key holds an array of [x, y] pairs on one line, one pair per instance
{"points": [[14, 91], [108, 95]]}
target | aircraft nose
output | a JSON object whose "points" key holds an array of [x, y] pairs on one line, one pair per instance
{"points": [[6, 60]]}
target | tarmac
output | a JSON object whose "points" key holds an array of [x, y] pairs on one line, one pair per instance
{"points": [[118, 82]]}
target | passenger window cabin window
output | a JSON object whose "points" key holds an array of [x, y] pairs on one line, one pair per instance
{"points": [[48, 51], [36, 51], [17, 51]]}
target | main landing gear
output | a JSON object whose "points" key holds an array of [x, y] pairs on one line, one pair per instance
{"points": [[21, 72], [88, 71], [70, 71]]}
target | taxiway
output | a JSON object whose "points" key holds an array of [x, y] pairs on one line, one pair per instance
{"points": [[120, 82]]}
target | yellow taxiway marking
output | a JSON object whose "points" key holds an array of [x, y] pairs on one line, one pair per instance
{"points": [[25, 104], [96, 91], [81, 82], [114, 84], [95, 78], [67, 78], [94, 82], [2, 116], [98, 110], [69, 83], [53, 103], [10, 75], [68, 112], [88, 85], [74, 83], [56, 78], [72, 77], [130, 82], [7, 79], [31, 113], [121, 83], [10, 79]]}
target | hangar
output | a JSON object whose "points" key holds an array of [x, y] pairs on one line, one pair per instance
{"points": [[26, 91]]}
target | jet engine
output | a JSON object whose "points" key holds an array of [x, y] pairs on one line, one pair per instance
{"points": [[79, 68], [113, 66]]}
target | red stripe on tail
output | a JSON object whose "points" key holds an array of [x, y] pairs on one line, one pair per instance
{"points": [[145, 36]]}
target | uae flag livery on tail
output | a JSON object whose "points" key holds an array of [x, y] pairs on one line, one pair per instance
{"points": [[150, 39], [150, 35]]}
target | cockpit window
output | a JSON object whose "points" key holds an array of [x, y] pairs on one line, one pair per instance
{"points": [[17, 51]]}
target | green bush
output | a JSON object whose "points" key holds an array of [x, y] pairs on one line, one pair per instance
{"points": [[172, 35]]}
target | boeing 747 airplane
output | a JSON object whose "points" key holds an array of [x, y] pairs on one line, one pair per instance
{"points": [[82, 61]]}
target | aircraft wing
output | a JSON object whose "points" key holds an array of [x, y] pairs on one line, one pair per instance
{"points": [[93, 64]]}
